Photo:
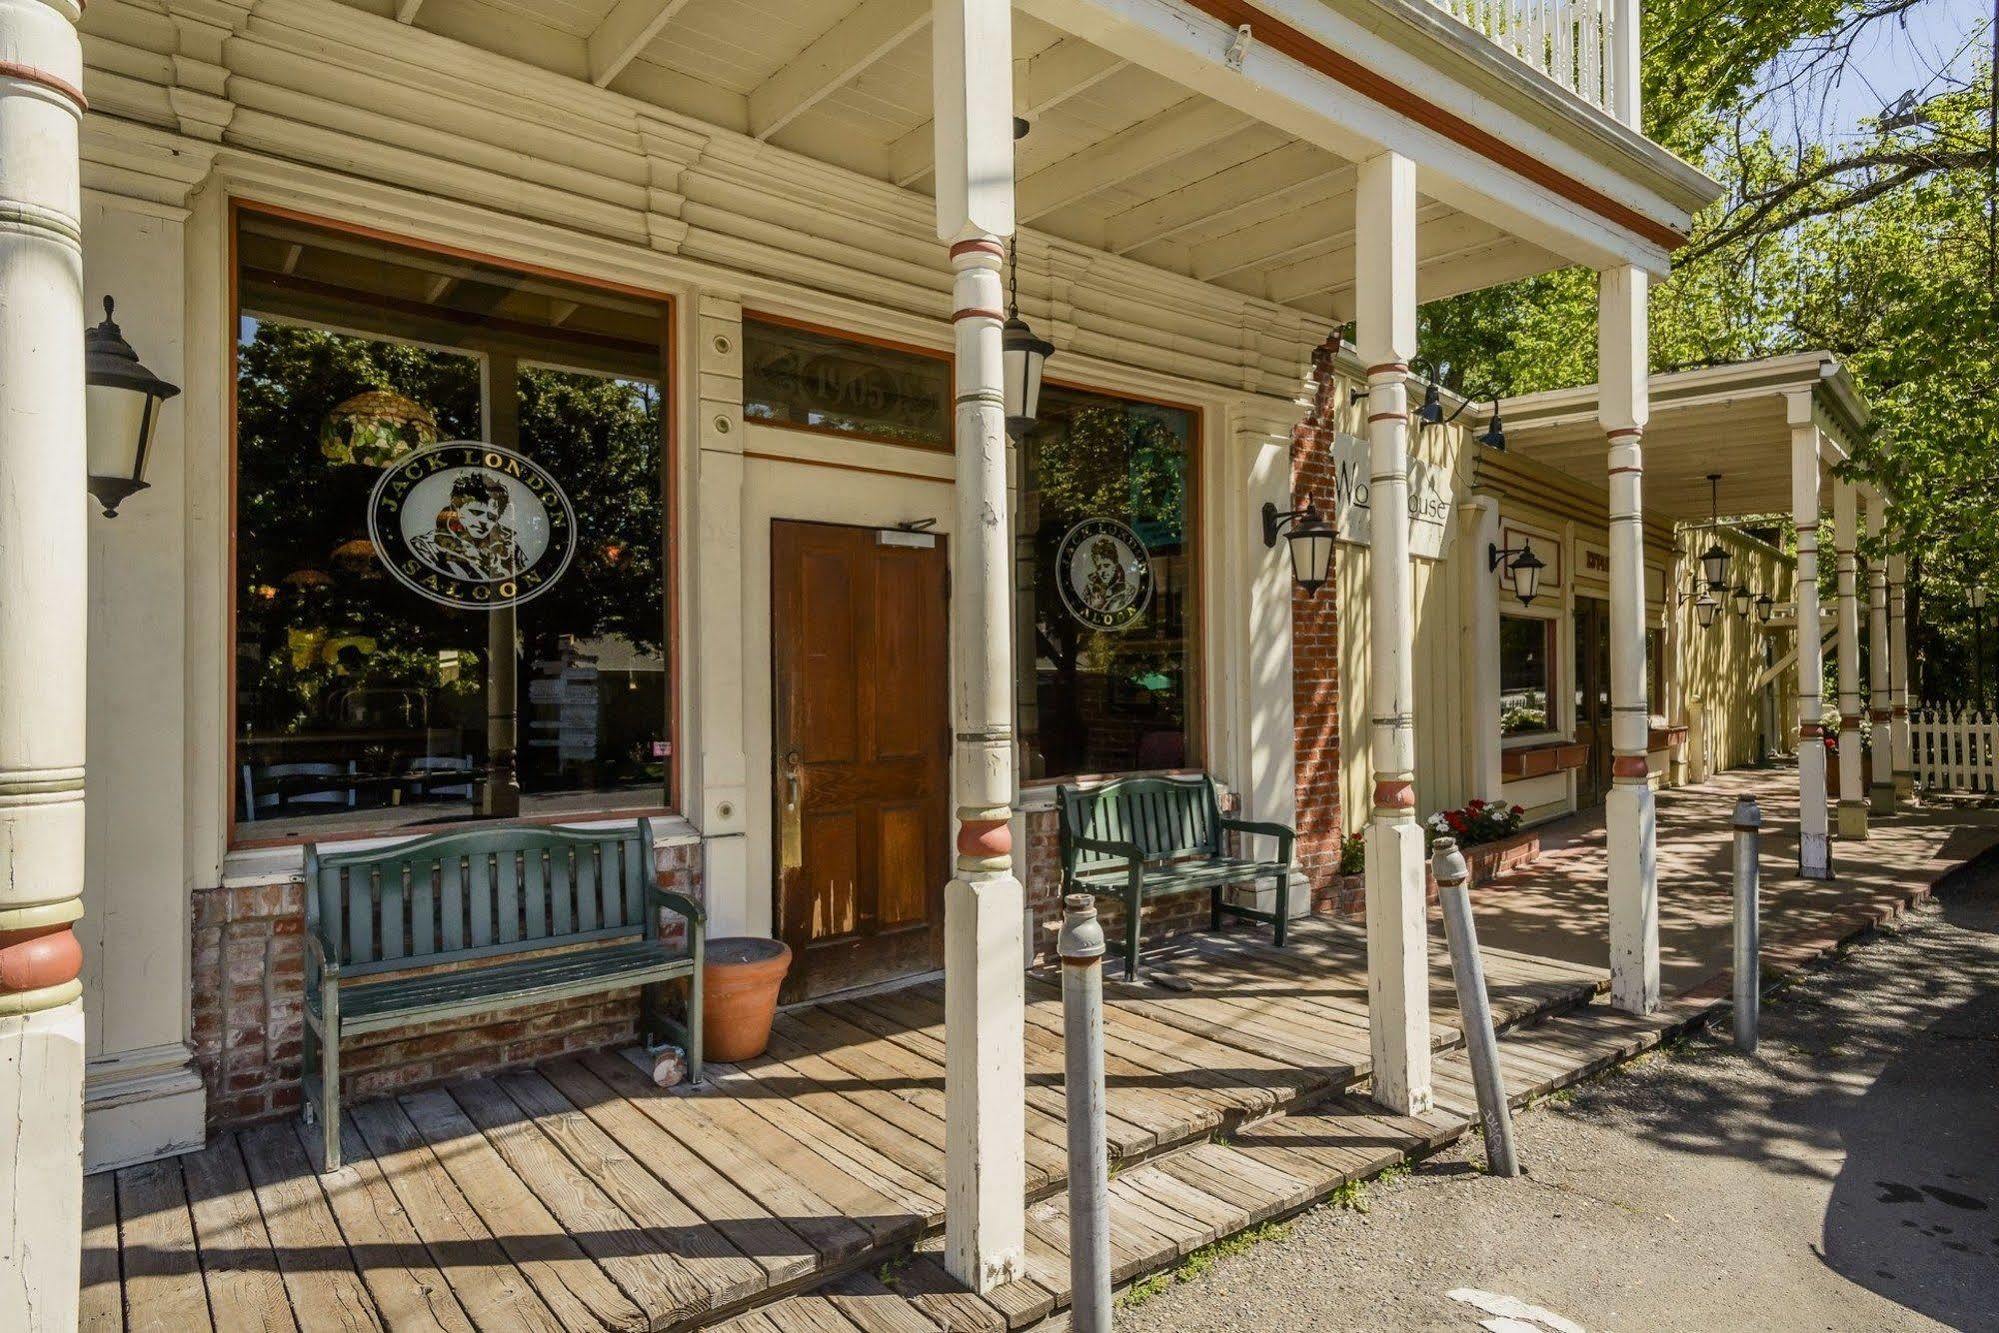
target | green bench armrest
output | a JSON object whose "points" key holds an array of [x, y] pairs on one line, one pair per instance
{"points": [[1128, 850], [1284, 835], [680, 905], [325, 959]]}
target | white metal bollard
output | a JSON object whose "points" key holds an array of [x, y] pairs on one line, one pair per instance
{"points": [[1447, 863], [1748, 927], [1081, 946]]}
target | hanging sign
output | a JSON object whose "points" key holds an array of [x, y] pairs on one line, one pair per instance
{"points": [[1103, 574], [472, 525], [1429, 507]]}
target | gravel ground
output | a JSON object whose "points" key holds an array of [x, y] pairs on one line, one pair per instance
{"points": [[1846, 1177]]}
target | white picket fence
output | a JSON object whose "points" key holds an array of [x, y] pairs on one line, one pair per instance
{"points": [[1567, 40], [1955, 751]]}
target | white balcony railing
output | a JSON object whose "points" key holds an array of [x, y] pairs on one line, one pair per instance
{"points": [[1570, 41]]}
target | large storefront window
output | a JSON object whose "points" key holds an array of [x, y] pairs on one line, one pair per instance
{"points": [[451, 555], [1526, 675], [1107, 681]]}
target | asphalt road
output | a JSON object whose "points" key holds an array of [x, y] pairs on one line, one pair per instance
{"points": [[1846, 1177]]}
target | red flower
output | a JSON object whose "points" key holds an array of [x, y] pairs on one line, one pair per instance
{"points": [[1519, 810]]}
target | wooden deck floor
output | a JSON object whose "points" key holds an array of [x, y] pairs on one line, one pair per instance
{"points": [[576, 1195]]}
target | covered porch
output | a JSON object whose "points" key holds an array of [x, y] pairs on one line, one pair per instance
{"points": [[805, 1190]]}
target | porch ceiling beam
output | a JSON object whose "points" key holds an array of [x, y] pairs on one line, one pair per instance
{"points": [[834, 59], [624, 32], [406, 10], [1247, 190], [1187, 127], [1439, 230], [1327, 222], [1040, 84]]}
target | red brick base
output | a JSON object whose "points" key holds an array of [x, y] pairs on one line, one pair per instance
{"points": [[248, 1002]]}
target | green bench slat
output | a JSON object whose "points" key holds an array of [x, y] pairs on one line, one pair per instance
{"points": [[381, 1004]]}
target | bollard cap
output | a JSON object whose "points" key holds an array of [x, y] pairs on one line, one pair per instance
{"points": [[1748, 815], [1082, 938], [1447, 863]]}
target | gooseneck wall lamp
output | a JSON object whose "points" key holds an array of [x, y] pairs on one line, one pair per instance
{"points": [[1523, 569], [1311, 541]]}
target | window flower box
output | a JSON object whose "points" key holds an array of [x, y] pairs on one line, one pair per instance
{"points": [[1535, 761]]}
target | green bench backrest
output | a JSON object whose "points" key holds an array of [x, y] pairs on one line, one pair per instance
{"points": [[1165, 817], [478, 894]]}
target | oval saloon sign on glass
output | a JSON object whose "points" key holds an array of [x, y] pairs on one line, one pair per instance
{"points": [[472, 525], [1103, 573]]}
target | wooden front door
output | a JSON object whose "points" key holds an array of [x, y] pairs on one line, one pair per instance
{"points": [[1592, 661], [862, 656]]}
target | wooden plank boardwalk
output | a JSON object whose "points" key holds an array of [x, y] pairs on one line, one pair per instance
{"points": [[576, 1195]]}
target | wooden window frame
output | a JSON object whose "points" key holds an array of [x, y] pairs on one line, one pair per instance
{"points": [[1551, 644], [669, 383]]}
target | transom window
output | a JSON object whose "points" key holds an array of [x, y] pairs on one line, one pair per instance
{"points": [[812, 379], [429, 631]]}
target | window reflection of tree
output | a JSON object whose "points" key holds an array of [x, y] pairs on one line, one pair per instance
{"points": [[326, 644], [1100, 694]]}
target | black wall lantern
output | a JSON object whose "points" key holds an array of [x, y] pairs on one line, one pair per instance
{"points": [[1766, 606], [1023, 357], [1311, 541], [1523, 569], [121, 411], [1742, 599], [1706, 609]]}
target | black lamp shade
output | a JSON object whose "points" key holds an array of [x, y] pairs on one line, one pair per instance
{"points": [[1766, 606], [1310, 541], [1714, 568], [1025, 356], [1495, 432], [1525, 573], [1705, 610], [1432, 411], [121, 413]]}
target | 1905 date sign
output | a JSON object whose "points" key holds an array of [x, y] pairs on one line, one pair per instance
{"points": [[472, 525], [1103, 574]]}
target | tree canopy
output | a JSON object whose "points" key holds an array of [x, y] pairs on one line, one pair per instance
{"points": [[1877, 247]]}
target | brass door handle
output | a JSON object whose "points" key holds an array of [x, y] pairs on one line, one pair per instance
{"points": [[790, 771]]}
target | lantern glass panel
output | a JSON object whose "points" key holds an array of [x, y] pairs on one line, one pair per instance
{"points": [[1311, 556], [114, 418], [1714, 567]]}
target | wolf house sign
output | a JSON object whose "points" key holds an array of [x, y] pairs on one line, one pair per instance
{"points": [[472, 525]]}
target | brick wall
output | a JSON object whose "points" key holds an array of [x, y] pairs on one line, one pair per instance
{"points": [[248, 999], [1315, 657]]}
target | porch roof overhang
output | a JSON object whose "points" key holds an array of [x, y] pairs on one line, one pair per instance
{"points": [[1151, 154], [1735, 420]]}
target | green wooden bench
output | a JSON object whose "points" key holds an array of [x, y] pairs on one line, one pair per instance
{"points": [[381, 923], [1138, 838]]}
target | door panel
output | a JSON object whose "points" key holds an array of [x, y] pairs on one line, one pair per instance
{"points": [[1592, 665], [862, 743]]}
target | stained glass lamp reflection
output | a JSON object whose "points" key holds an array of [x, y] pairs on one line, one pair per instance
{"points": [[376, 428]]}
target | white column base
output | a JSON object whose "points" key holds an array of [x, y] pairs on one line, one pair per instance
{"points": [[1398, 966], [142, 1105], [1630, 827], [1263, 897], [1814, 841], [1853, 820], [985, 1127], [1905, 787], [41, 1208], [1881, 798], [725, 878]]}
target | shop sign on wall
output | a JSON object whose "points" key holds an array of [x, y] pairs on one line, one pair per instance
{"points": [[472, 525], [1429, 507]]}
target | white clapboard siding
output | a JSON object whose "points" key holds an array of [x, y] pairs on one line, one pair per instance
{"points": [[1563, 39], [1954, 751]]}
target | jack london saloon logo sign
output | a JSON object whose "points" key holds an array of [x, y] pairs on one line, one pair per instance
{"points": [[1104, 576], [472, 525]]}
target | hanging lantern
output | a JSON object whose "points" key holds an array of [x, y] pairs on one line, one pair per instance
{"points": [[1495, 431], [121, 411], [1705, 610], [1023, 356], [1714, 560], [376, 428]]}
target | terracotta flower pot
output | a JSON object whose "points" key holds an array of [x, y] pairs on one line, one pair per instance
{"points": [[739, 979]]}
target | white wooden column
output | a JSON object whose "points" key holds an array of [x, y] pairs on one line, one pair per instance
{"points": [[1814, 848], [1478, 522], [1398, 962], [1880, 714], [43, 593], [1845, 543], [985, 1182], [1630, 822], [1898, 676]]}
